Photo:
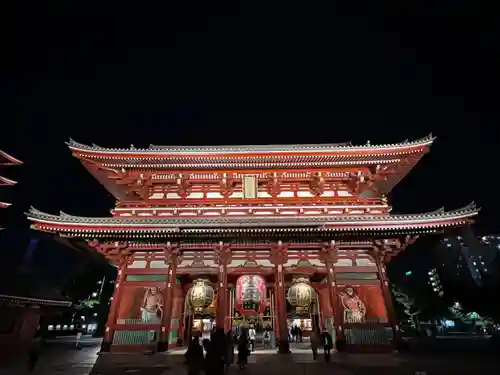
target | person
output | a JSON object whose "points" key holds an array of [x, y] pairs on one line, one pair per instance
{"points": [[193, 357], [229, 358], [315, 342], [78, 339], [299, 333], [252, 335], [267, 339], [327, 342], [243, 351], [216, 353], [35, 350], [210, 354]]}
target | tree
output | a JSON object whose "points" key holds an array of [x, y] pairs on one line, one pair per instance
{"points": [[410, 308]]}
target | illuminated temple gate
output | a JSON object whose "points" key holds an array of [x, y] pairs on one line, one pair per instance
{"points": [[190, 221]]}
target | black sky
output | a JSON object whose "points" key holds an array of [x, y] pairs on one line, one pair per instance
{"points": [[246, 73]]}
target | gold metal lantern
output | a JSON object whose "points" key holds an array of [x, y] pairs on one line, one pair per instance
{"points": [[200, 295], [301, 295]]}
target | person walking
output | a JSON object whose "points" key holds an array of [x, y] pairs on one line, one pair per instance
{"points": [[327, 342], [315, 343], [78, 339]]}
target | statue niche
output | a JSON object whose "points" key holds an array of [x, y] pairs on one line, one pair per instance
{"points": [[354, 308]]}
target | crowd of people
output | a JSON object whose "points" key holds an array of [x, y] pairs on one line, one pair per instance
{"points": [[295, 334], [214, 356]]}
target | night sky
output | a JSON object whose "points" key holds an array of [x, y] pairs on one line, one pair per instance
{"points": [[241, 73]]}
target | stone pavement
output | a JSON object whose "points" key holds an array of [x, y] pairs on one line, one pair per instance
{"points": [[58, 358], [303, 364], [61, 358]]}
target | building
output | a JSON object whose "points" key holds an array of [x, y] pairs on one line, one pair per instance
{"points": [[250, 234], [21, 317], [6, 161], [464, 257], [21, 307]]}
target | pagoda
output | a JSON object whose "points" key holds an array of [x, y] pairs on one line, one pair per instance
{"points": [[6, 161], [274, 236]]}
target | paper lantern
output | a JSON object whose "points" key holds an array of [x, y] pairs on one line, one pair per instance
{"points": [[250, 295]]}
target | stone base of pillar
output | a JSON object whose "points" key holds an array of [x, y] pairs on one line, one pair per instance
{"points": [[105, 346], [284, 347], [162, 346]]}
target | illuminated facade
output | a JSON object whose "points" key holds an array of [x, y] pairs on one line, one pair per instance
{"points": [[308, 225]]}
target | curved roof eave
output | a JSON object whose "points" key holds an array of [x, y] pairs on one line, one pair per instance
{"points": [[251, 149]]}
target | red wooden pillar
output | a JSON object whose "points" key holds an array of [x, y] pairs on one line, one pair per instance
{"points": [[337, 310], [113, 308], [229, 311], [276, 324], [168, 305], [279, 257], [224, 255], [220, 318], [281, 307], [386, 293]]}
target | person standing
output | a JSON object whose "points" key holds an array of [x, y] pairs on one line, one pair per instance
{"points": [[243, 351], [327, 342], [252, 335], [229, 358], [267, 339], [193, 357], [315, 343]]}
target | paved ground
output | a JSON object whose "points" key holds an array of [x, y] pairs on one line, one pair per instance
{"points": [[60, 358]]}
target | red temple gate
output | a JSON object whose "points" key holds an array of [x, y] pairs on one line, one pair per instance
{"points": [[317, 212]]}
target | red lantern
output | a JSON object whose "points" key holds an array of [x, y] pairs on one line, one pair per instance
{"points": [[250, 295]]}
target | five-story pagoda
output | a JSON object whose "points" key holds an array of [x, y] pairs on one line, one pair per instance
{"points": [[267, 235]]}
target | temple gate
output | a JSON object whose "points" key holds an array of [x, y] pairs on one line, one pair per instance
{"points": [[231, 236]]}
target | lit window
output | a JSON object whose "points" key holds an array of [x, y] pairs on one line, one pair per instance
{"points": [[485, 270], [58, 327], [50, 328], [474, 263]]}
